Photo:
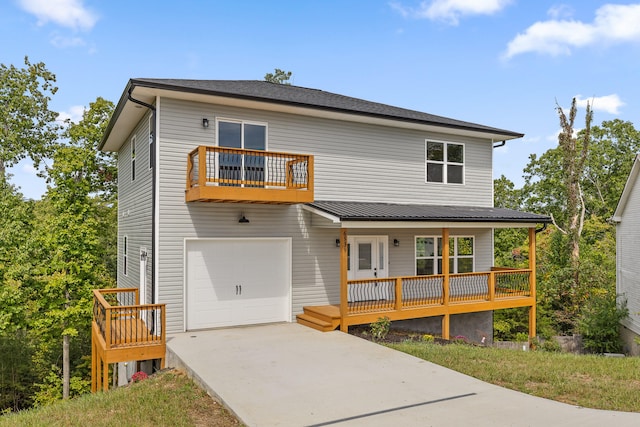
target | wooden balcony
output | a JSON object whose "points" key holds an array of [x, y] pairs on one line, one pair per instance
{"points": [[411, 297], [122, 331], [219, 174]]}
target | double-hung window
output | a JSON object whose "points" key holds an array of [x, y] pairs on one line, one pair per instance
{"points": [[444, 162], [429, 255], [133, 158], [235, 168]]}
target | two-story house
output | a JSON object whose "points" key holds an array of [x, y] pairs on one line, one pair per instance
{"points": [[247, 202], [627, 219]]}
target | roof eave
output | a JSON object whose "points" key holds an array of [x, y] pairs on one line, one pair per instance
{"points": [[108, 144]]}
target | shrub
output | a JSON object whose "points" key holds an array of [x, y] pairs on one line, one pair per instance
{"points": [[428, 338], [599, 324], [380, 328]]}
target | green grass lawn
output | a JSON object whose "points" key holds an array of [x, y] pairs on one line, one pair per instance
{"points": [[589, 381], [165, 399]]}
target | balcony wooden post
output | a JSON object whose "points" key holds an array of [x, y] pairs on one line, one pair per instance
{"points": [[445, 281], [532, 281], [202, 166], [310, 174], [344, 260]]}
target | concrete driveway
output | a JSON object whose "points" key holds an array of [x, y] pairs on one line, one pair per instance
{"points": [[291, 375]]}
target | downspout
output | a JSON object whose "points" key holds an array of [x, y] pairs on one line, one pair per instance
{"points": [[500, 144], [152, 152], [540, 230]]}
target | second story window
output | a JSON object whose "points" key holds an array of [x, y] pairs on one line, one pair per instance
{"points": [[133, 158], [444, 162], [237, 167]]}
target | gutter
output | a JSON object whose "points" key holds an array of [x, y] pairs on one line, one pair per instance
{"points": [[501, 144], [152, 152]]}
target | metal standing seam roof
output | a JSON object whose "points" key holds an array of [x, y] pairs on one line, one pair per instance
{"points": [[363, 211], [310, 98]]}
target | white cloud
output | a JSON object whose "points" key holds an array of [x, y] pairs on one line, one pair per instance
{"points": [[62, 41], [67, 13], [609, 103], [612, 24], [74, 114], [450, 11]]}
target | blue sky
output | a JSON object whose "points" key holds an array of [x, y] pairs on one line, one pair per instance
{"points": [[503, 63]]}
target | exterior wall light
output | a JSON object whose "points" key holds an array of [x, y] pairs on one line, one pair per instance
{"points": [[337, 243], [205, 123], [396, 242], [243, 220]]}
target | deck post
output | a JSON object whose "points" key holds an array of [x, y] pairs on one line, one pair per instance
{"points": [[532, 281], [398, 306], [445, 281], [445, 326], [344, 260]]}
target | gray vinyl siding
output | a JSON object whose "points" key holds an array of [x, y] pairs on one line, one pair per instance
{"points": [[628, 253], [134, 207], [354, 162]]}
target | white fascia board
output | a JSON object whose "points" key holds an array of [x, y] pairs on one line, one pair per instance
{"points": [[628, 187], [434, 224], [334, 219]]}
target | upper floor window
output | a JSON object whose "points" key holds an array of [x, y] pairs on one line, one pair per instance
{"points": [[235, 167], [133, 158], [429, 255], [151, 141], [125, 257], [240, 134], [444, 162]]}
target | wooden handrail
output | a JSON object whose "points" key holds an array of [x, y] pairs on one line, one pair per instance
{"points": [[459, 290]]}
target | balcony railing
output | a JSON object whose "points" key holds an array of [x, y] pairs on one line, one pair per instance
{"points": [[252, 176], [414, 292], [123, 330]]}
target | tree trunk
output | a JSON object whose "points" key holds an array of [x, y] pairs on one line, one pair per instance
{"points": [[65, 367], [66, 377]]}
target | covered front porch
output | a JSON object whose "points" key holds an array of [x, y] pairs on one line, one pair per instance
{"points": [[441, 292]]}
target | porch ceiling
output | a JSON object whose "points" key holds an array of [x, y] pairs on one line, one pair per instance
{"points": [[391, 215]]}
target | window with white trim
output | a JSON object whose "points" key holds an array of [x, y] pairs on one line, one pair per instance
{"points": [[133, 158], [444, 162], [234, 168], [151, 139], [429, 255], [125, 248]]}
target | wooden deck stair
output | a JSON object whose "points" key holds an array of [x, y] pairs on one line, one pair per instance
{"points": [[324, 318]]}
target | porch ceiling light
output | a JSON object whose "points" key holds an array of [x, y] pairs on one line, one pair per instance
{"points": [[205, 123]]}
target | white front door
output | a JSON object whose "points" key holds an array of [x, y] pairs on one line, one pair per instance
{"points": [[368, 257]]}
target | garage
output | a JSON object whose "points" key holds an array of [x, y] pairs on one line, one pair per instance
{"points": [[232, 282]]}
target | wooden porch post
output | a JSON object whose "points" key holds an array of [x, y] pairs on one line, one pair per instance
{"points": [[532, 281], [445, 282], [344, 260]]}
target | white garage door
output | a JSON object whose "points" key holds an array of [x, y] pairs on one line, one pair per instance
{"points": [[232, 282]]}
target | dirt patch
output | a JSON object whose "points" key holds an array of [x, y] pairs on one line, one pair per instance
{"points": [[394, 335]]}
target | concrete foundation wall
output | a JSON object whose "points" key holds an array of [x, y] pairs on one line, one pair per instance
{"points": [[629, 346], [473, 326]]}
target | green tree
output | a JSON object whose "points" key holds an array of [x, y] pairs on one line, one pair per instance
{"points": [[28, 127], [278, 76]]}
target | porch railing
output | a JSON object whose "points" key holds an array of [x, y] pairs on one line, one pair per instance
{"points": [[397, 293], [123, 322]]}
